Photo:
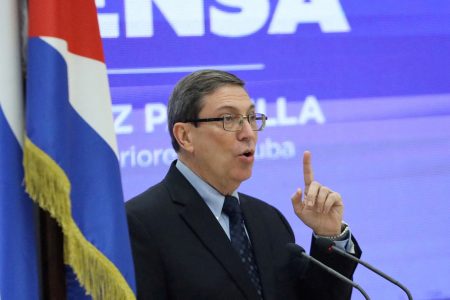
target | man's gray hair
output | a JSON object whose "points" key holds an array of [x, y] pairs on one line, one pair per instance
{"points": [[185, 103]]}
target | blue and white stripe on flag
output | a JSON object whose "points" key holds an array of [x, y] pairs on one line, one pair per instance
{"points": [[70, 153], [18, 255]]}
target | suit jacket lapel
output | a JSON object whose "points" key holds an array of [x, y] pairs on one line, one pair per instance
{"points": [[199, 218], [257, 231]]}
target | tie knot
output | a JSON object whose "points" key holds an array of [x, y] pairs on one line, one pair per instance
{"points": [[231, 206]]}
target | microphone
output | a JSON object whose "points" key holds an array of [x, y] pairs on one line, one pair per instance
{"points": [[329, 246], [299, 251]]}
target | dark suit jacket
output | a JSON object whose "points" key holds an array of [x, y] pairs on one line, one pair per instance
{"points": [[180, 251]]}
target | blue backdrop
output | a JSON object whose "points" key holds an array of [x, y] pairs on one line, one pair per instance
{"points": [[364, 85]]}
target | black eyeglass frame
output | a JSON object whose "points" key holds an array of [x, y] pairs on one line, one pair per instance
{"points": [[258, 116]]}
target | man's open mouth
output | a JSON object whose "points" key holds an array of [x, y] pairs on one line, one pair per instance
{"points": [[248, 153]]}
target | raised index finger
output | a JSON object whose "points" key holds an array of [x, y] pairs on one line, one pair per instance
{"points": [[308, 174]]}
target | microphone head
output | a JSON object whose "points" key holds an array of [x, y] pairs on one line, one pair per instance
{"points": [[298, 260], [325, 244], [294, 248]]}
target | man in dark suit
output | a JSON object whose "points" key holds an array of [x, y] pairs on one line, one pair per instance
{"points": [[195, 237]]}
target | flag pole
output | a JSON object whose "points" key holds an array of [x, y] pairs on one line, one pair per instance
{"points": [[53, 279]]}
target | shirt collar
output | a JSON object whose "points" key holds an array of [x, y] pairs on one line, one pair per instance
{"points": [[210, 195]]}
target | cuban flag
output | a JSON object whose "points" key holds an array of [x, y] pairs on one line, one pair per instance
{"points": [[18, 256], [70, 154]]}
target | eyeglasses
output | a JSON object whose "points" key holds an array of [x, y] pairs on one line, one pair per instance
{"points": [[235, 122]]}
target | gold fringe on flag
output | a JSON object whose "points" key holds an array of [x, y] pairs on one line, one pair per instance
{"points": [[48, 185]]}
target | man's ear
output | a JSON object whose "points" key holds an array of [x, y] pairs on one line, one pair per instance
{"points": [[183, 135]]}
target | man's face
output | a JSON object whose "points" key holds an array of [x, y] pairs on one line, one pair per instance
{"points": [[222, 158]]}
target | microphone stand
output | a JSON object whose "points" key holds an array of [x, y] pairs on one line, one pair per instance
{"points": [[331, 247], [298, 250]]}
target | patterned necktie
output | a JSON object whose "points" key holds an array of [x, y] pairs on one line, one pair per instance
{"points": [[240, 241]]}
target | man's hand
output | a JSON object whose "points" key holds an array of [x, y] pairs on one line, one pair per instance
{"points": [[322, 208]]}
